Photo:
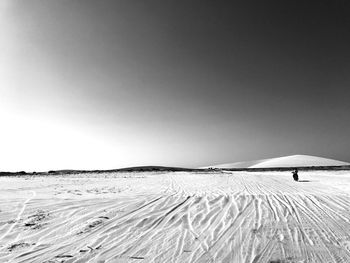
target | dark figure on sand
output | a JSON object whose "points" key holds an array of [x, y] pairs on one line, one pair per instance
{"points": [[295, 174]]}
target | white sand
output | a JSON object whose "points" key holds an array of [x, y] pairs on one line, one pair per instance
{"points": [[176, 217], [285, 161]]}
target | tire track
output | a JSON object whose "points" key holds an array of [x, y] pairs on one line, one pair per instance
{"points": [[19, 215]]}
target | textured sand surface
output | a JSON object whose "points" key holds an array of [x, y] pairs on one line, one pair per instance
{"points": [[176, 217]]}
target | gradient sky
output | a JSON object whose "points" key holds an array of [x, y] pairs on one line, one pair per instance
{"points": [[88, 84]]}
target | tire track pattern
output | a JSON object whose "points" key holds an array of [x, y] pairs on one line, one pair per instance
{"points": [[236, 218]]}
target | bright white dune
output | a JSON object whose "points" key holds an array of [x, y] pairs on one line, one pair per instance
{"points": [[285, 161], [298, 161]]}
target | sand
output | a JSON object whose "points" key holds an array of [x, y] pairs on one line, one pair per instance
{"points": [[298, 160], [176, 217]]}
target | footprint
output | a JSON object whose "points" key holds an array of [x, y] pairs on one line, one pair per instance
{"points": [[19, 245]]}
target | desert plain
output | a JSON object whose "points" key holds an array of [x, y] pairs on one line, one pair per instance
{"points": [[209, 216]]}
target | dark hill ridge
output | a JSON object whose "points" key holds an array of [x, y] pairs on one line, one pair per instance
{"points": [[126, 169]]}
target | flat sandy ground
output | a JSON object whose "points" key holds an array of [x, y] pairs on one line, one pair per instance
{"points": [[176, 217]]}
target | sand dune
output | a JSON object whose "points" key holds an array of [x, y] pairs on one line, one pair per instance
{"points": [[176, 217], [285, 161]]}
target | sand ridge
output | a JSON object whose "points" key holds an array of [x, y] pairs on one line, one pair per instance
{"points": [[298, 160]]}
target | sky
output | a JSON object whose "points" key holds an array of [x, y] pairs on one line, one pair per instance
{"points": [[88, 84]]}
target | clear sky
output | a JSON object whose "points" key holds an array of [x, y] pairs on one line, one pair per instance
{"points": [[88, 84]]}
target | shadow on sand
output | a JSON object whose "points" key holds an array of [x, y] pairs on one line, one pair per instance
{"points": [[304, 181]]}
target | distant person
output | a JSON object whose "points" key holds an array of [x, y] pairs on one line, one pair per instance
{"points": [[295, 175]]}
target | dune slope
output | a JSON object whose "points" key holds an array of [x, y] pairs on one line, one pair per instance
{"points": [[285, 161]]}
